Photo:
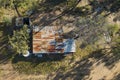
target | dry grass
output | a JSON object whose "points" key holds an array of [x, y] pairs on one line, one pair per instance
{"points": [[37, 69]]}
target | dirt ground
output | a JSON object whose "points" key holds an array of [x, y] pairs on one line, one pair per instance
{"points": [[97, 66]]}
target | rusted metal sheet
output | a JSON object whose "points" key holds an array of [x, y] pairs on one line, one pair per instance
{"points": [[49, 40]]}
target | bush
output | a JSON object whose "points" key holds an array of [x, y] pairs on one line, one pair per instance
{"points": [[19, 41], [25, 5], [7, 20]]}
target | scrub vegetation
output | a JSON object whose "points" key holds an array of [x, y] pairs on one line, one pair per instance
{"points": [[97, 26]]}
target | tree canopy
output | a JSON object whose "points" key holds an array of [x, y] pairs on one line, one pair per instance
{"points": [[20, 39]]}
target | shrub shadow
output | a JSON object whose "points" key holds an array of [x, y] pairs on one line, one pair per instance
{"points": [[82, 69], [5, 53], [117, 77], [36, 60]]}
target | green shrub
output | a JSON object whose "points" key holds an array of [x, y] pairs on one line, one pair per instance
{"points": [[19, 41], [7, 20], [71, 3], [113, 29]]}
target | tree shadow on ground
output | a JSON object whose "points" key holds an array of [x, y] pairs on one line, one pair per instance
{"points": [[117, 17], [117, 77], [47, 6], [37, 65], [110, 6], [37, 60], [51, 16], [5, 53], [54, 2], [104, 56], [81, 70]]}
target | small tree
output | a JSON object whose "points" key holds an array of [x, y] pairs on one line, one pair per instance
{"points": [[19, 41]]}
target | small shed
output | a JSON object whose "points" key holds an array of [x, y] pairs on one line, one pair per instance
{"points": [[49, 40]]}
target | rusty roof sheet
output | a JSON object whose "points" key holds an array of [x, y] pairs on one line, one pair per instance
{"points": [[49, 40]]}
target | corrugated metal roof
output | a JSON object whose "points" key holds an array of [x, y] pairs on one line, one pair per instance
{"points": [[49, 40]]}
